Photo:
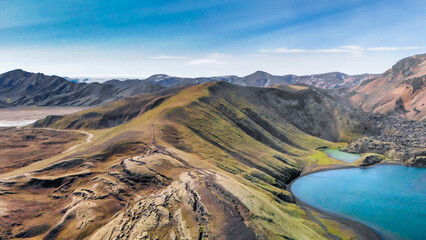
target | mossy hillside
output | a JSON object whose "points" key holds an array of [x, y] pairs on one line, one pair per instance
{"points": [[270, 218], [245, 135], [108, 115], [335, 228]]}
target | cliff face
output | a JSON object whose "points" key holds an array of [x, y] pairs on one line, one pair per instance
{"points": [[398, 91]]}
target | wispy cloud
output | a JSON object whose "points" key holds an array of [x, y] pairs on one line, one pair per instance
{"points": [[211, 59], [167, 57], [384, 49], [351, 49], [204, 61]]}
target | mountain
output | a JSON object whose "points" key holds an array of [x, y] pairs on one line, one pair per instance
{"points": [[209, 161], [263, 79], [398, 91], [170, 81], [334, 80], [4, 104], [310, 109], [20, 88]]}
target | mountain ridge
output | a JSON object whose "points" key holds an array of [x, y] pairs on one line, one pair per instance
{"points": [[20, 88], [400, 90], [263, 79], [249, 142]]}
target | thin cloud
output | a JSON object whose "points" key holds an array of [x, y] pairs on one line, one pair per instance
{"points": [[411, 48], [205, 61], [283, 50], [384, 49], [351, 49], [210, 59], [167, 57], [330, 50]]}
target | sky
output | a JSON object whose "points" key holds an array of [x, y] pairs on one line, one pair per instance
{"points": [[188, 38]]}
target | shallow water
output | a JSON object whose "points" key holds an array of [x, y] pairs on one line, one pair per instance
{"points": [[391, 199], [340, 155]]}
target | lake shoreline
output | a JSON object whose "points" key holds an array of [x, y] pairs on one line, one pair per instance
{"points": [[362, 231]]}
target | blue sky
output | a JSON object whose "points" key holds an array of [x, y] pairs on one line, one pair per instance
{"points": [[105, 38]]}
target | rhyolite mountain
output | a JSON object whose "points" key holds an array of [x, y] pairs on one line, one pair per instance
{"points": [[20, 88], [399, 91]]}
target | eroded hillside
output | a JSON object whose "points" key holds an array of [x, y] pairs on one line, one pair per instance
{"points": [[398, 91]]}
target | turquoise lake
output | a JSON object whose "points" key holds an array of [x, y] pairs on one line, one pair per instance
{"points": [[391, 199], [340, 155]]}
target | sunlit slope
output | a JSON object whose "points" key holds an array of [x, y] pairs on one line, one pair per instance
{"points": [[250, 142], [398, 91]]}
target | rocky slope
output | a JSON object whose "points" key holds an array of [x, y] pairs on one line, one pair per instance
{"points": [[20, 88], [394, 137], [398, 91]]}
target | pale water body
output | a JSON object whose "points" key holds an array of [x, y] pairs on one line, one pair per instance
{"points": [[391, 199], [18, 117], [340, 155]]}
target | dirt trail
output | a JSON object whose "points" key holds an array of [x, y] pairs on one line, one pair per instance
{"points": [[88, 139]]}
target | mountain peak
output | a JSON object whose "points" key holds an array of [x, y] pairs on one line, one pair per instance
{"points": [[409, 66], [259, 74], [397, 91], [157, 77]]}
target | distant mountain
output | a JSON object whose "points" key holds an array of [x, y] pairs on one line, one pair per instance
{"points": [[334, 80], [264, 79], [20, 88], [400, 90]]}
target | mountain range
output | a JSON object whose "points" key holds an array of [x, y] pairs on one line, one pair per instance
{"points": [[208, 161], [263, 79], [212, 160], [400, 90], [20, 88]]}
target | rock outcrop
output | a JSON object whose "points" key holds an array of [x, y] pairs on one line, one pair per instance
{"points": [[371, 160]]}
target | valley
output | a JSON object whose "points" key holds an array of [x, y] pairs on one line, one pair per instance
{"points": [[212, 120], [212, 160]]}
